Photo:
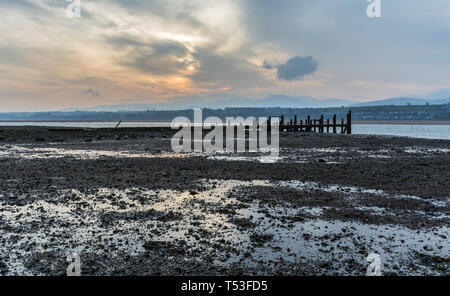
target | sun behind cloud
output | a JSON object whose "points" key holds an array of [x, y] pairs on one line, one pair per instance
{"points": [[146, 51]]}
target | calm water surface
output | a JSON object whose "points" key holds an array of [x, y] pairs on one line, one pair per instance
{"points": [[415, 131]]}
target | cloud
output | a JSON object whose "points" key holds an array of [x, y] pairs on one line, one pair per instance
{"points": [[151, 57], [225, 71], [37, 20], [267, 65], [11, 56], [188, 47], [294, 68], [21, 4], [56, 3], [92, 92]]}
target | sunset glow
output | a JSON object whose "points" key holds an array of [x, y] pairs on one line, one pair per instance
{"points": [[150, 51]]}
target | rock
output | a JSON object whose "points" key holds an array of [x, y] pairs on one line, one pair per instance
{"points": [[3, 267], [260, 239]]}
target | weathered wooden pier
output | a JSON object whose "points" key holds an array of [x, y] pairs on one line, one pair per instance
{"points": [[316, 125]]}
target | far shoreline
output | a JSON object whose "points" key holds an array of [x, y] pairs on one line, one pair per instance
{"points": [[354, 121], [403, 122]]}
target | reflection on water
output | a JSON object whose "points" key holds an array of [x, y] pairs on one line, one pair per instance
{"points": [[26, 152], [213, 221], [287, 155]]}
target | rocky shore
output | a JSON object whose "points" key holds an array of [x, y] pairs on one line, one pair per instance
{"points": [[128, 205]]}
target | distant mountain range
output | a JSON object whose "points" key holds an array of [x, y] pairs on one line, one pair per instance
{"points": [[273, 100], [403, 101], [221, 102]]}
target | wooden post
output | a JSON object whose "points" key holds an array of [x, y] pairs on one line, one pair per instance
{"points": [[334, 124], [313, 125], [349, 122], [321, 124]]}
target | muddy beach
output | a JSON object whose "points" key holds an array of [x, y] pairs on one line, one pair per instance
{"points": [[128, 205]]}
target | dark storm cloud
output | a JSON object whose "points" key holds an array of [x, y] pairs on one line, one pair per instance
{"points": [[294, 68]]}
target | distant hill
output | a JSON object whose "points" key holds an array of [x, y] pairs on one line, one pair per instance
{"points": [[299, 102], [221, 102], [439, 94], [271, 101], [403, 102]]}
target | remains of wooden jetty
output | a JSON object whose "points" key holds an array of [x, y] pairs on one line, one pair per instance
{"points": [[316, 125]]}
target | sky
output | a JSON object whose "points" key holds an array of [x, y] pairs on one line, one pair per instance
{"points": [[153, 51]]}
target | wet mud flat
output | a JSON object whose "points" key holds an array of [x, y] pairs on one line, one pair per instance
{"points": [[128, 205]]}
